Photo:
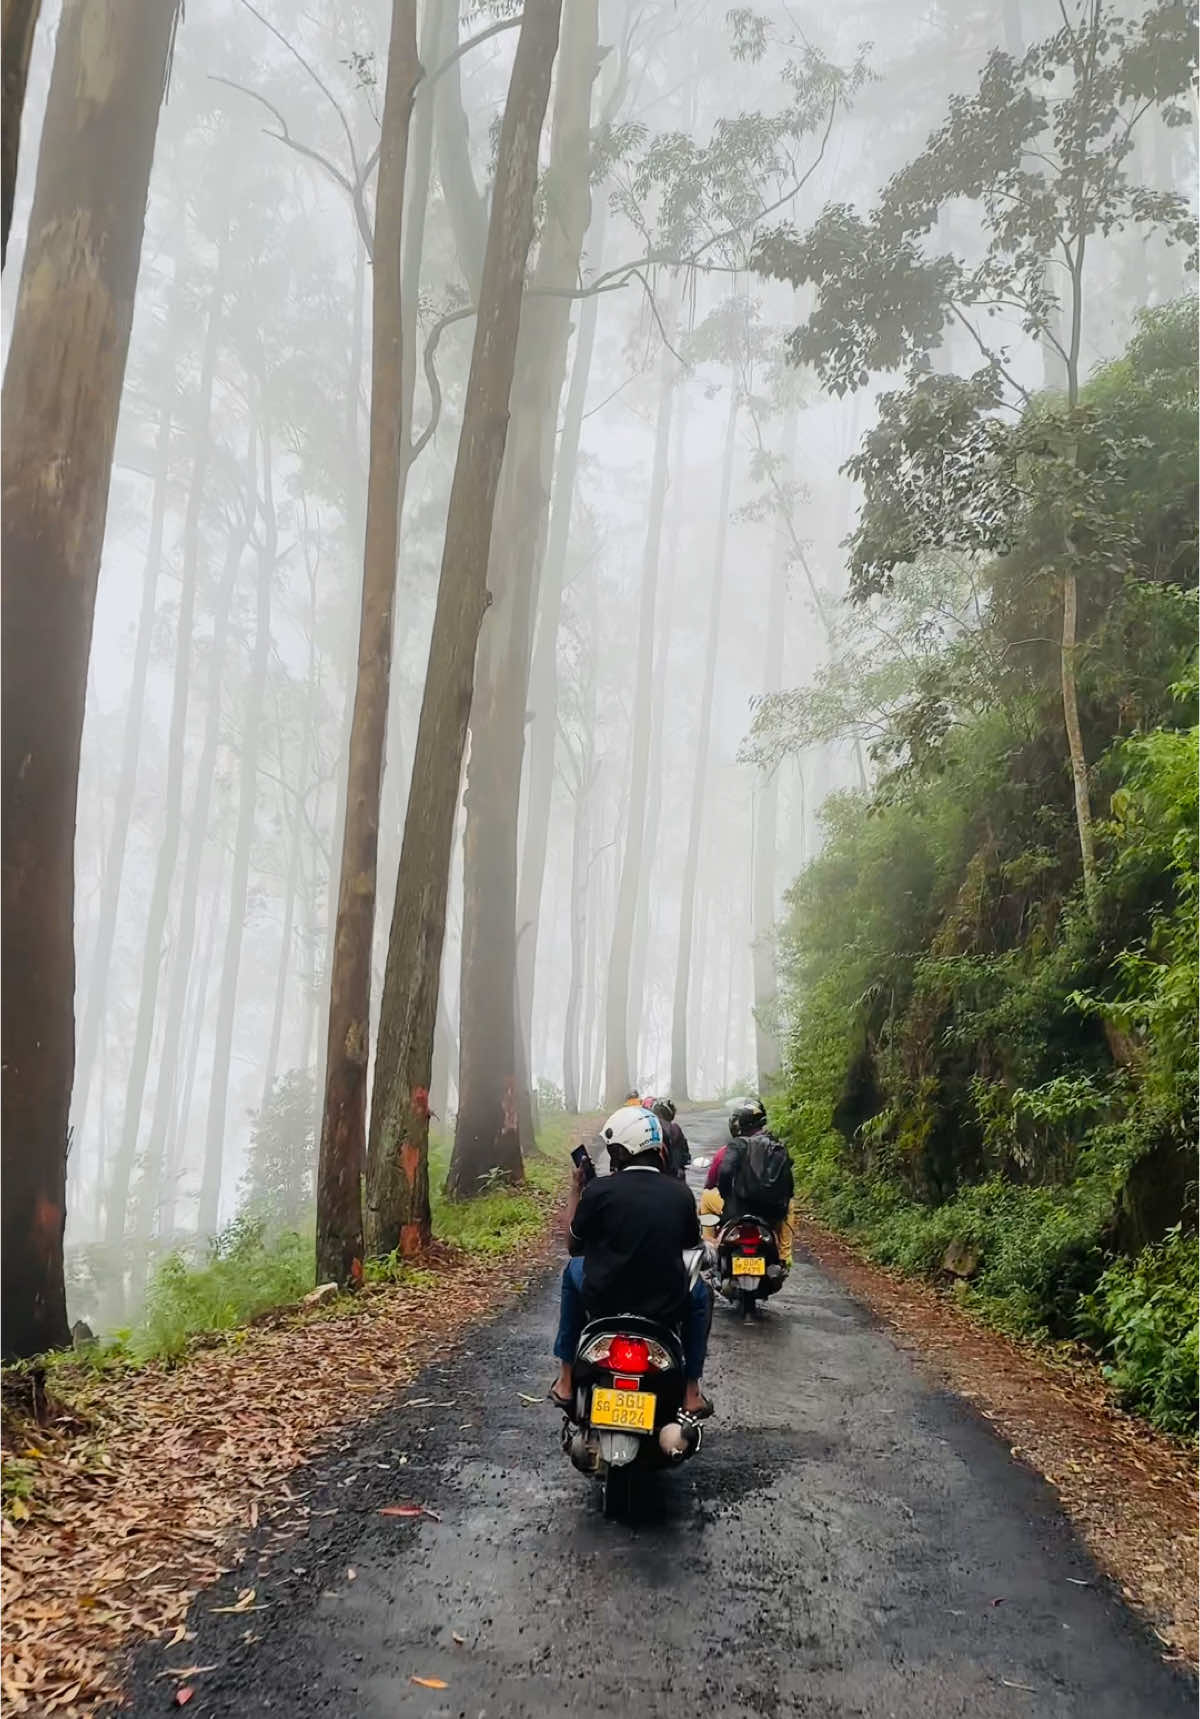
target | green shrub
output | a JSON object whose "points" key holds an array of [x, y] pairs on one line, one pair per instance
{"points": [[247, 1270], [1142, 1314]]}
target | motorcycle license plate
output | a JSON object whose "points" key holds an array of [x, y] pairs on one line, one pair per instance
{"points": [[631, 1411], [743, 1267]]}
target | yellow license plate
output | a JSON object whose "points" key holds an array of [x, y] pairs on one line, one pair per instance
{"points": [[631, 1411], [743, 1267]]}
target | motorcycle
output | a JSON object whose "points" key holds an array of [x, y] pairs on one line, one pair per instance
{"points": [[627, 1412], [744, 1263]]}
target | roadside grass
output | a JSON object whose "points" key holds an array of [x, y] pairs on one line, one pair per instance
{"points": [[253, 1267]]}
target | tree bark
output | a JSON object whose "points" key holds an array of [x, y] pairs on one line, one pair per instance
{"points": [[543, 674], [1079, 768], [398, 1171], [343, 1124], [95, 994], [494, 1122], [168, 852], [766, 822], [218, 1092], [62, 387], [687, 907], [618, 1072], [16, 49]]}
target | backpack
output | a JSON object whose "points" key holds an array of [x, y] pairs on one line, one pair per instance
{"points": [[762, 1181]]}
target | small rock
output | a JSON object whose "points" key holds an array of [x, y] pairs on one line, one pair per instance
{"points": [[320, 1295], [961, 1259]]}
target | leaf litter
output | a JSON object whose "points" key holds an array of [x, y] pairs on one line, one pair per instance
{"points": [[147, 1481]]}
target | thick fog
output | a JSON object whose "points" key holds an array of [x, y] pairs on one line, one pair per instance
{"points": [[212, 784]]}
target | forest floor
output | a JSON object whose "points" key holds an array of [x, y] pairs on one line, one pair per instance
{"points": [[143, 1483], [1130, 1492]]}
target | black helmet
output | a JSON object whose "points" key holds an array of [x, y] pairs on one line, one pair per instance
{"points": [[664, 1108], [747, 1117]]}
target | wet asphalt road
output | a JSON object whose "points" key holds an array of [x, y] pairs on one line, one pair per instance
{"points": [[849, 1542]]}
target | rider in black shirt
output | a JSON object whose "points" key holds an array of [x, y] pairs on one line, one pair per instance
{"points": [[627, 1235]]}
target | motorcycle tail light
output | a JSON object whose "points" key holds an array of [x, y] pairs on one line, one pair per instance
{"points": [[629, 1355], [750, 1246]]}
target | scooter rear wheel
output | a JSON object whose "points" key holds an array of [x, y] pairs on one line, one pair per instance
{"points": [[618, 1491]]}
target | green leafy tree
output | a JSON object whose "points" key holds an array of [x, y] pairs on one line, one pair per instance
{"points": [[1042, 153]]}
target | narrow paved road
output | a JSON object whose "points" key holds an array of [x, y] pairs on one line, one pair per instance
{"points": [[850, 1541]]}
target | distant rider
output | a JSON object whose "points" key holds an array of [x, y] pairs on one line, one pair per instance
{"points": [[678, 1152], [755, 1178], [627, 1236]]}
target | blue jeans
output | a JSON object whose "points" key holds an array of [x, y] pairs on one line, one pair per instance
{"points": [[572, 1317]]}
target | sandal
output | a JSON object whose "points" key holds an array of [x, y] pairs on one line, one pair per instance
{"points": [[702, 1413], [566, 1404]]}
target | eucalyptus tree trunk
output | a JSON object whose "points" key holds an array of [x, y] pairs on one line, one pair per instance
{"points": [[1070, 600], [344, 1111], [543, 673], [494, 1123], [62, 386], [766, 819], [201, 980], [398, 1168], [231, 963], [574, 1075], [642, 915], [154, 1166], [687, 907], [291, 886], [153, 946], [95, 990], [618, 1072], [16, 50]]}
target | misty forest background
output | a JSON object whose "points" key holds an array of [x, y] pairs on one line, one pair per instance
{"points": [[832, 726]]}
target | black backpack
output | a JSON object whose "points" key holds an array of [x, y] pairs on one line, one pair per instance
{"points": [[762, 1181]]}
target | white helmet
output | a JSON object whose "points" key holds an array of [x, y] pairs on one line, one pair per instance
{"points": [[635, 1129]]}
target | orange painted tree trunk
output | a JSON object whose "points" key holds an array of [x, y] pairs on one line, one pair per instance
{"points": [[62, 390], [343, 1123], [398, 1168]]}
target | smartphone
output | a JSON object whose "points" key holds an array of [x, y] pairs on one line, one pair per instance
{"points": [[581, 1159]]}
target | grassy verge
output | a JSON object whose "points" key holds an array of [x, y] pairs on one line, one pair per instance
{"points": [[252, 1267]]}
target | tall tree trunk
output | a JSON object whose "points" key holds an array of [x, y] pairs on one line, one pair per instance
{"points": [[153, 948], [543, 674], [153, 1171], [16, 50], [218, 1092], [398, 1169], [618, 1072], [291, 886], [95, 992], [766, 821], [574, 1074], [494, 1115], [646, 896], [176, 1146], [466, 207], [62, 387], [1079, 768], [343, 1123], [687, 905]]}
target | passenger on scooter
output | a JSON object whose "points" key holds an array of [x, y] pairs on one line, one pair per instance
{"points": [[675, 1141], [627, 1237], [755, 1176]]}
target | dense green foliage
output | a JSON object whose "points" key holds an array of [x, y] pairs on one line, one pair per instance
{"points": [[975, 1057]]}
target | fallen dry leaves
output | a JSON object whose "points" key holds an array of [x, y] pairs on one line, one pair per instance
{"points": [[143, 1488], [1130, 1492]]}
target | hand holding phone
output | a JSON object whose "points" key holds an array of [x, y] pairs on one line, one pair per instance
{"points": [[581, 1159]]}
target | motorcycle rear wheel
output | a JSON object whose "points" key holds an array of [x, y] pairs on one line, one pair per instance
{"points": [[618, 1492]]}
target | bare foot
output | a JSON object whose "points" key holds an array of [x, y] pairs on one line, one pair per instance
{"points": [[562, 1385]]}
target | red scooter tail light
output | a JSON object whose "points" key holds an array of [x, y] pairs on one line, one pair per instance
{"points": [[628, 1355]]}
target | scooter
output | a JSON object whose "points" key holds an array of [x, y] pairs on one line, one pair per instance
{"points": [[744, 1263], [627, 1415]]}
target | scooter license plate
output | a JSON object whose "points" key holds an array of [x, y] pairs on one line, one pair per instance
{"points": [[631, 1411], [743, 1267]]}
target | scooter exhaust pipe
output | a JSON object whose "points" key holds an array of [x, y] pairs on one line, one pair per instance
{"points": [[678, 1441]]}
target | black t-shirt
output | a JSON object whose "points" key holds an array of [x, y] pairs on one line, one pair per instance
{"points": [[631, 1229]]}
